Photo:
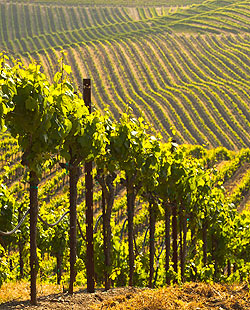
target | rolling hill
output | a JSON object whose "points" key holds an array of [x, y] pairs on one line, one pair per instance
{"points": [[185, 69]]}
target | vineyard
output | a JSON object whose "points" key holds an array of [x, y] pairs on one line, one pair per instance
{"points": [[168, 152], [184, 69]]}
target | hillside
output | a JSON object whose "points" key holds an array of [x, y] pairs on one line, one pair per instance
{"points": [[163, 213], [185, 69]]}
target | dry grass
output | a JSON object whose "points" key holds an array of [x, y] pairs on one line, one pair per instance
{"points": [[190, 296], [21, 290]]}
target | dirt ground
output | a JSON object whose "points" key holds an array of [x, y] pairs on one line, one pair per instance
{"points": [[190, 296]]}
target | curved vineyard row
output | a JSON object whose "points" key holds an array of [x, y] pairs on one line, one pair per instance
{"points": [[21, 20], [192, 86], [195, 85], [126, 3], [56, 26]]}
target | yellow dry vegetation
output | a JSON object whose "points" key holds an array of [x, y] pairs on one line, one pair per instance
{"points": [[190, 296], [21, 290]]}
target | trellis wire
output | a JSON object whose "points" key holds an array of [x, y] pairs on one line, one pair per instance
{"points": [[157, 262], [8, 233], [54, 224], [96, 224]]}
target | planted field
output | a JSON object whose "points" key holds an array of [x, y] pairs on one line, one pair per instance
{"points": [[101, 3], [196, 86], [186, 69]]}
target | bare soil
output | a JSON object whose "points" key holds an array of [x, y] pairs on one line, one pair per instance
{"points": [[235, 180], [190, 296]]}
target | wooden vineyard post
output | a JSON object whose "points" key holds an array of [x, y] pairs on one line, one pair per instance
{"points": [[151, 242], [33, 236], [89, 203], [174, 237], [73, 222], [167, 240]]}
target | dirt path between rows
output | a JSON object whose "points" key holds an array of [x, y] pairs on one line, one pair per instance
{"points": [[80, 300], [235, 180]]}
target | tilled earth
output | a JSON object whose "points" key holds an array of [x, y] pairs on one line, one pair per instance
{"points": [[190, 296]]}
